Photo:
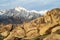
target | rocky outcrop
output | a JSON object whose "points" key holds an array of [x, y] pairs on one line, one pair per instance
{"points": [[44, 25], [52, 37]]}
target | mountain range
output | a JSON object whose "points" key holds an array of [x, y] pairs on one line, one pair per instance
{"points": [[41, 25], [19, 15]]}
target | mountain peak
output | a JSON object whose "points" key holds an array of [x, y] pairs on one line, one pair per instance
{"points": [[19, 8]]}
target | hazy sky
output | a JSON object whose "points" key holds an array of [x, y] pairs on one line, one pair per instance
{"points": [[30, 4]]}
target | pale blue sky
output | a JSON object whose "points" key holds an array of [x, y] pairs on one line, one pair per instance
{"points": [[30, 4]]}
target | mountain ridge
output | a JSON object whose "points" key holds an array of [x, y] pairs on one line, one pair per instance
{"points": [[19, 13]]}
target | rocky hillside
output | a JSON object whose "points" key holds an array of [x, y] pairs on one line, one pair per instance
{"points": [[46, 27]]}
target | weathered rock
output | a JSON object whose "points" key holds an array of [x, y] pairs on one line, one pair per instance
{"points": [[5, 27], [5, 34], [52, 37]]}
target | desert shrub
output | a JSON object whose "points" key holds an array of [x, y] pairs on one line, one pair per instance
{"points": [[1, 37]]}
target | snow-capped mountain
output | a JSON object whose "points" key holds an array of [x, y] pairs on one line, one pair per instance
{"points": [[19, 14], [2, 12]]}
